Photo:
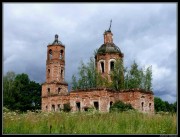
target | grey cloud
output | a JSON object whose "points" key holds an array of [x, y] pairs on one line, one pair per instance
{"points": [[144, 32]]}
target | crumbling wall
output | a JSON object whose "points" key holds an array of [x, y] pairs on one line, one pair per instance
{"points": [[141, 100], [54, 96]]}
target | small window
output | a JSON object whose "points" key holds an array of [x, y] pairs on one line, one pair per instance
{"points": [[59, 90], [96, 105], [150, 106], [112, 65], [53, 108], [61, 54], [142, 106], [102, 67], [61, 73], [78, 106], [48, 91], [111, 103], [46, 107], [50, 54], [59, 107], [48, 72]]}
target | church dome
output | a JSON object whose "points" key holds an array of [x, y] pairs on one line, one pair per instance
{"points": [[108, 48]]}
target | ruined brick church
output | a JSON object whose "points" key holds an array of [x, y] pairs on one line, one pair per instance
{"points": [[55, 90]]}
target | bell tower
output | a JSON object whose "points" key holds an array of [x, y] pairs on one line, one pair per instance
{"points": [[55, 63], [107, 54], [55, 85]]}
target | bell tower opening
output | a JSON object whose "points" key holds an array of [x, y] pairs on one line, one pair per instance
{"points": [[112, 65], [50, 54], [102, 67], [61, 54]]}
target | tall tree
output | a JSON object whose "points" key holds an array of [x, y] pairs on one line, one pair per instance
{"points": [[121, 78], [135, 76], [88, 77], [8, 88], [35, 95], [117, 75], [19, 93], [148, 79]]}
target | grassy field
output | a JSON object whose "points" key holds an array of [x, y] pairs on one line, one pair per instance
{"points": [[130, 122]]}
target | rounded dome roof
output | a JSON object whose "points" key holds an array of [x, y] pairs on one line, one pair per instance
{"points": [[109, 48]]}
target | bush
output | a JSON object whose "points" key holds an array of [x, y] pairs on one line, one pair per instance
{"points": [[67, 107], [120, 106]]}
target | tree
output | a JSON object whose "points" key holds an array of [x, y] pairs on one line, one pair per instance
{"points": [[121, 78], [134, 76], [21, 94], [160, 105], [74, 83], [8, 88], [138, 77], [148, 79], [88, 77], [117, 75], [174, 105], [35, 95]]}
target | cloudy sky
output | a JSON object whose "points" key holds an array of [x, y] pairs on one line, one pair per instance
{"points": [[145, 32]]}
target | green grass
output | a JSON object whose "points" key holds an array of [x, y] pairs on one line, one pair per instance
{"points": [[130, 122]]}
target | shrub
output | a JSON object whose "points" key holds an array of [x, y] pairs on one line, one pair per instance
{"points": [[67, 107], [120, 106]]}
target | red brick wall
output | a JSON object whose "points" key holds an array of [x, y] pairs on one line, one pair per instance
{"points": [[105, 96], [55, 64], [54, 97]]}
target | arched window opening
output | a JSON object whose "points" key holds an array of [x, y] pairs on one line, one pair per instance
{"points": [[150, 106], [59, 107], [142, 106], [46, 107], [48, 91], [48, 72], [111, 103], [96, 105], [59, 90], [50, 54], [112, 65], [62, 73], [102, 67], [78, 106], [53, 108], [61, 54]]}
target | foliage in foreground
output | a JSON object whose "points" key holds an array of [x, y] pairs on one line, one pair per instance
{"points": [[129, 122]]}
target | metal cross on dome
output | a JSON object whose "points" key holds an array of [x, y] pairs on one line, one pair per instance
{"points": [[110, 25]]}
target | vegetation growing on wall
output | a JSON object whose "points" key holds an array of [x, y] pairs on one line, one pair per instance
{"points": [[122, 78], [88, 77]]}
